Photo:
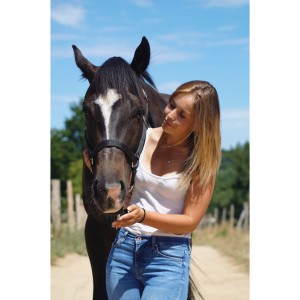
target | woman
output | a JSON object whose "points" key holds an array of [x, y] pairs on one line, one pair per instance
{"points": [[150, 256]]}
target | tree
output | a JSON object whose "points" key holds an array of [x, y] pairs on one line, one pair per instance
{"points": [[241, 167], [67, 145], [75, 174], [232, 183]]}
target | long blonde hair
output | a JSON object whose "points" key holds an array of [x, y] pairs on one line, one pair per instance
{"points": [[204, 160]]}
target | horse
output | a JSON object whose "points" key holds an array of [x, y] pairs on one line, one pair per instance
{"points": [[120, 103]]}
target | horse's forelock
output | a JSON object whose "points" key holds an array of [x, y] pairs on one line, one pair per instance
{"points": [[117, 74]]}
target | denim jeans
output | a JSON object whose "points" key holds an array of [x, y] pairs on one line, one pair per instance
{"points": [[148, 267]]}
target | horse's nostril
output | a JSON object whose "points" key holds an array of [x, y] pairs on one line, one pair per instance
{"points": [[98, 188]]}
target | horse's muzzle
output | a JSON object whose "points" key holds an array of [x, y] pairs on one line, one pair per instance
{"points": [[108, 197]]}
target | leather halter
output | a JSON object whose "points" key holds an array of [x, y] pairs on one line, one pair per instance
{"points": [[130, 155]]}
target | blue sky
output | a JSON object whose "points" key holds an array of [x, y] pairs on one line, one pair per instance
{"points": [[192, 39]]}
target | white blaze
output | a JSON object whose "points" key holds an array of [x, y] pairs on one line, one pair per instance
{"points": [[106, 104]]}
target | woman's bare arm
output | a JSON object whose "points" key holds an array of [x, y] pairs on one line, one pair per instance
{"points": [[195, 206]]}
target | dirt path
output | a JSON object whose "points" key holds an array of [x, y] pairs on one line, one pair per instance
{"points": [[217, 277]]}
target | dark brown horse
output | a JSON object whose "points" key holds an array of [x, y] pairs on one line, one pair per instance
{"points": [[119, 104]]}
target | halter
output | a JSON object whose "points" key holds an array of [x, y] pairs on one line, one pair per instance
{"points": [[131, 156]]}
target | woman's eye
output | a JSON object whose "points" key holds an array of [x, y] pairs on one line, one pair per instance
{"points": [[171, 105]]}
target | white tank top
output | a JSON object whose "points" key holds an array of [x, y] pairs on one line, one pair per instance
{"points": [[156, 193]]}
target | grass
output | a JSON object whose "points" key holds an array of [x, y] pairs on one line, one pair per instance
{"points": [[229, 241], [64, 241]]}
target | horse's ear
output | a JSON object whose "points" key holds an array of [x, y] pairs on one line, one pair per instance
{"points": [[87, 68], [141, 57]]}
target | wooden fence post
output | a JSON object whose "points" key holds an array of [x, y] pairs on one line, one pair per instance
{"points": [[246, 223], [80, 212], [231, 222], [243, 222], [55, 204], [216, 216], [224, 211], [71, 215]]}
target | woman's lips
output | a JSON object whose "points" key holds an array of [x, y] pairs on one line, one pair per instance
{"points": [[167, 123]]}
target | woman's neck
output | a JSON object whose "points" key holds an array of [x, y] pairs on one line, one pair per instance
{"points": [[167, 141]]}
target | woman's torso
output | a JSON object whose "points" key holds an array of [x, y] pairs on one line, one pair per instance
{"points": [[156, 187]]}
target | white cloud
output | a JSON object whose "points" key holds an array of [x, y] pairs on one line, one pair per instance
{"points": [[170, 55], [99, 52], [143, 3], [226, 28], [224, 3], [234, 127], [168, 87], [239, 41], [64, 37], [68, 14], [63, 99], [109, 29], [235, 117], [184, 38]]}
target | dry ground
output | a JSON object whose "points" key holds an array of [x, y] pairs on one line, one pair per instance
{"points": [[216, 275]]}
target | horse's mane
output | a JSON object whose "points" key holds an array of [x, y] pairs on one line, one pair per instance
{"points": [[117, 73]]}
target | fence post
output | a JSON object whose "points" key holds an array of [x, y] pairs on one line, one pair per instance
{"points": [[71, 215], [224, 210], [246, 223], [231, 222], [80, 212], [243, 222], [55, 203], [216, 216]]}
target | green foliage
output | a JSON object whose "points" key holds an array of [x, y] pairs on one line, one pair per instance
{"points": [[64, 242], [75, 173], [232, 184], [66, 149]]}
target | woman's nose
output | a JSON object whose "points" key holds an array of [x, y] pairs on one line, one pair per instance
{"points": [[171, 115]]}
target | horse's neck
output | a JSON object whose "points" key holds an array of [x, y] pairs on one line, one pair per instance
{"points": [[157, 103]]}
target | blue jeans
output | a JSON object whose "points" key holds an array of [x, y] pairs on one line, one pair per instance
{"points": [[148, 267]]}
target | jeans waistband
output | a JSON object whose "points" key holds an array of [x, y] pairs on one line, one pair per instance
{"points": [[156, 238]]}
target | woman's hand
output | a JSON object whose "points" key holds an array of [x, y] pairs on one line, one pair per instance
{"points": [[135, 214]]}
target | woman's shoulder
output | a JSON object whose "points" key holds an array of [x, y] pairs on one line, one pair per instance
{"points": [[154, 133]]}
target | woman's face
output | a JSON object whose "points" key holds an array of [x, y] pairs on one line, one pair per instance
{"points": [[179, 115]]}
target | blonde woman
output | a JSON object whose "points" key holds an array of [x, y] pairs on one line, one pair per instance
{"points": [[150, 256]]}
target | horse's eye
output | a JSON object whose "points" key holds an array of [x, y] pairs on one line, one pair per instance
{"points": [[139, 112]]}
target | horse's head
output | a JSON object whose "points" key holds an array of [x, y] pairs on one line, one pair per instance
{"points": [[115, 108]]}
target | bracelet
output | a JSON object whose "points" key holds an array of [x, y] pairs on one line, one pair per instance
{"points": [[143, 216]]}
